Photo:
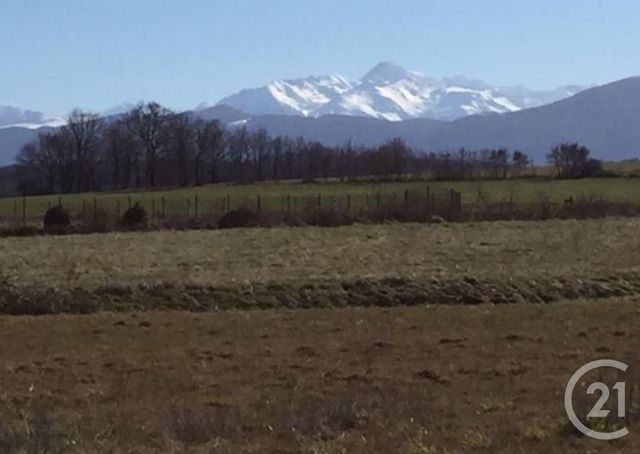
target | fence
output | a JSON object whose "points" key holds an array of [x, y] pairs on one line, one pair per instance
{"points": [[109, 208]]}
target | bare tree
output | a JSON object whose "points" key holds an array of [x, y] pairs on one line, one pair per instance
{"points": [[146, 122], [82, 137], [121, 156], [209, 150], [569, 159], [179, 137]]}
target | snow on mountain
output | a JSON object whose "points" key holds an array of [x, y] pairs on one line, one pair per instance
{"points": [[392, 93], [119, 109], [28, 119], [290, 97]]}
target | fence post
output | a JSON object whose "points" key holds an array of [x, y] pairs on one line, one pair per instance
{"points": [[129, 199], [83, 209], [95, 211], [288, 202], [348, 201], [118, 207], [163, 206], [259, 203], [15, 212], [319, 199], [153, 208], [378, 200], [24, 211], [406, 196], [228, 203], [188, 206], [195, 205]]}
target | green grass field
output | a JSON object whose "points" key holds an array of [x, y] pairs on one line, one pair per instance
{"points": [[279, 195]]}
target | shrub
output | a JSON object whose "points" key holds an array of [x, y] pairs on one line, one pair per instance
{"points": [[56, 220], [327, 216], [135, 217], [592, 168], [242, 217]]}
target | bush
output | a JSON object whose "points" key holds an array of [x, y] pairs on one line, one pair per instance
{"points": [[592, 168], [56, 220], [135, 217], [242, 217], [328, 216]]}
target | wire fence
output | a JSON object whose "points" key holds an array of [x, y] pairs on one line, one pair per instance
{"points": [[26, 212]]}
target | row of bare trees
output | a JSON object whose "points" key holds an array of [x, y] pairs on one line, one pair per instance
{"points": [[152, 146]]}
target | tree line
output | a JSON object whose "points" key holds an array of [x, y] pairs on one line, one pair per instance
{"points": [[151, 146]]}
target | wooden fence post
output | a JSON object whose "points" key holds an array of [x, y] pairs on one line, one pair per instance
{"points": [[406, 196], [163, 207], [319, 199], [153, 208], [195, 205], [228, 203], [288, 202], [348, 201], [259, 203], [24, 211], [188, 206], [129, 200], [95, 211], [83, 210], [118, 207]]}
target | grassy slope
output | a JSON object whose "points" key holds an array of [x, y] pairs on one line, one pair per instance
{"points": [[274, 194]]}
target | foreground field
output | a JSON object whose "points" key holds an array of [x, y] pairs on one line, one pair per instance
{"points": [[498, 250], [435, 379], [135, 375]]}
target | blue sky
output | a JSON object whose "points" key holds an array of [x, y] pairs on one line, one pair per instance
{"points": [[56, 55]]}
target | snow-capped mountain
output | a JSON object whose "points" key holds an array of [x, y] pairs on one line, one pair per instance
{"points": [[15, 117], [392, 93], [119, 109], [290, 97]]}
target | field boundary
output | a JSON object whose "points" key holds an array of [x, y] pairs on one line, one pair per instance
{"points": [[407, 206], [386, 292]]}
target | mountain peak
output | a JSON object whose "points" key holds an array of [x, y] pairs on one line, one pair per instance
{"points": [[388, 91], [387, 72]]}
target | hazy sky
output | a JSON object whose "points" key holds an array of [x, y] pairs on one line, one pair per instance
{"points": [[55, 55]]}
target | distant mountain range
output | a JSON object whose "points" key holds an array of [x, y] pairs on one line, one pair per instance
{"points": [[462, 113], [390, 92], [14, 117]]}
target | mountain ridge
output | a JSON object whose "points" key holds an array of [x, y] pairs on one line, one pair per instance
{"points": [[603, 118], [390, 92]]}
